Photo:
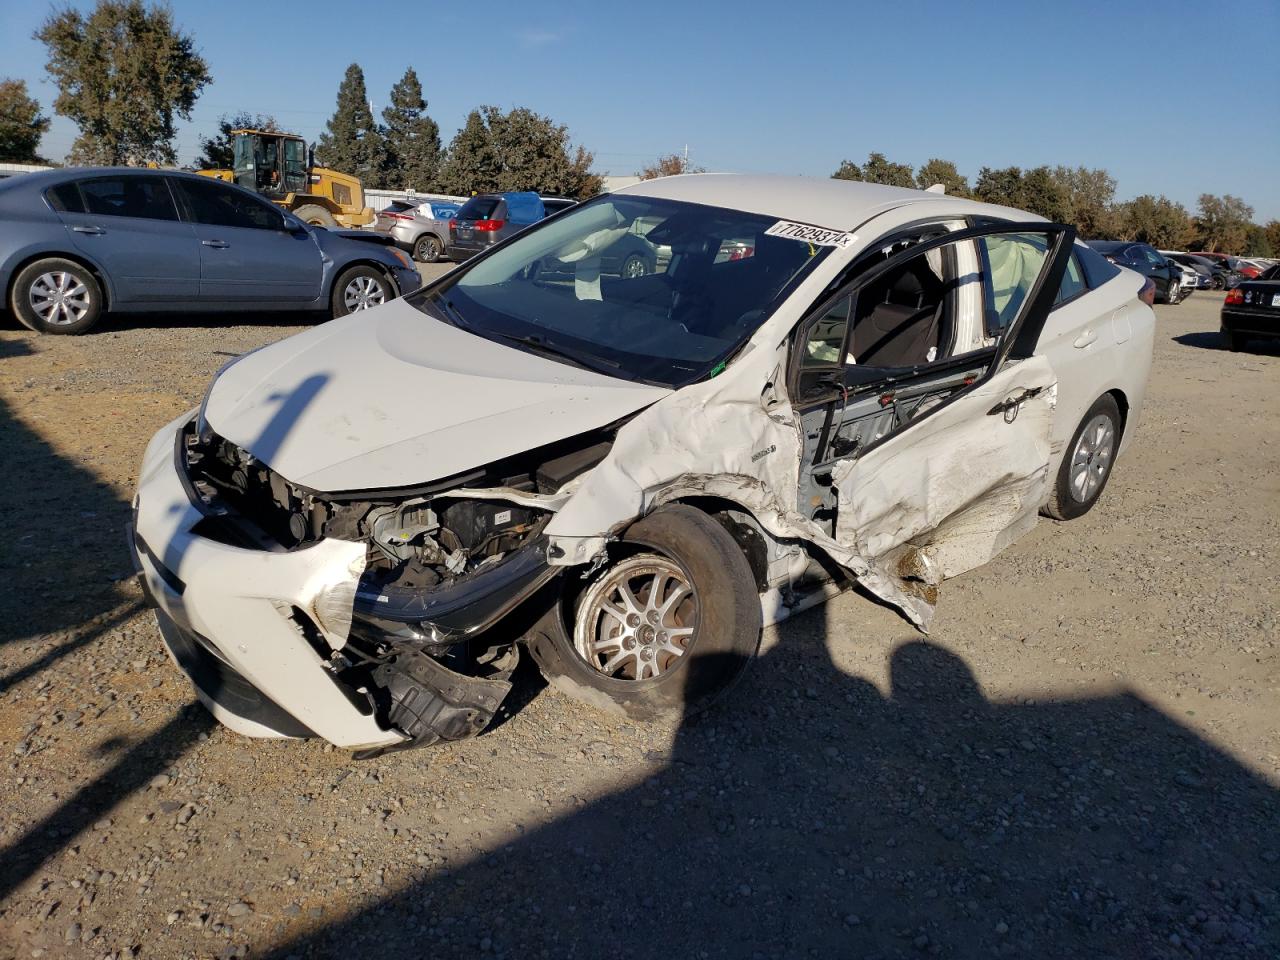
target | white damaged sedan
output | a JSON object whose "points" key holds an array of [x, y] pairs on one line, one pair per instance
{"points": [[627, 472]]}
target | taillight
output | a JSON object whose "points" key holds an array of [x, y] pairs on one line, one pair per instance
{"points": [[1148, 293], [1235, 296], [453, 226], [396, 216], [488, 226]]}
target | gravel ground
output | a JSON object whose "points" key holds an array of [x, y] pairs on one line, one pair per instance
{"points": [[1081, 761]]}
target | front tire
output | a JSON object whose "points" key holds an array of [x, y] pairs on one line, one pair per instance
{"points": [[428, 248], [1173, 294], [315, 215], [360, 288], [56, 296], [663, 629], [1086, 467]]}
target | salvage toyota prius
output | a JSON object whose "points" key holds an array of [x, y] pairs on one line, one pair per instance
{"points": [[626, 474]]}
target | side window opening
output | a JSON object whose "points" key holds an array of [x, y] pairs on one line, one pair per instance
{"points": [[1073, 283]]}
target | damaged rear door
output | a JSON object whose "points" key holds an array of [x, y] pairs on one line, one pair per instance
{"points": [[925, 412]]}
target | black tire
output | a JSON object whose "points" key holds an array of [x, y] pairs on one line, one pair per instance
{"points": [[1173, 293], [428, 248], [1231, 340], [725, 638], [315, 215], [77, 314], [1065, 504], [1217, 283], [365, 277]]}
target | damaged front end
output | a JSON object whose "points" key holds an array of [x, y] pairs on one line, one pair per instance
{"points": [[419, 636]]}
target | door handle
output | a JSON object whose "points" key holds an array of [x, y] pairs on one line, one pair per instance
{"points": [[91, 231], [1085, 339], [216, 244]]}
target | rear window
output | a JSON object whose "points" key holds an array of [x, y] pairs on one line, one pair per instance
{"points": [[399, 206], [479, 208], [65, 198], [144, 197]]}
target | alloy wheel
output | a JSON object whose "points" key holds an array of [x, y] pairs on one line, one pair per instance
{"points": [[1091, 458], [59, 298], [362, 293], [638, 620]]}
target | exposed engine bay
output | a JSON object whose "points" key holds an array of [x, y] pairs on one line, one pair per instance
{"points": [[445, 563]]}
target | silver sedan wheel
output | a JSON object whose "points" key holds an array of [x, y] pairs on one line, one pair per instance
{"points": [[638, 620], [362, 293], [59, 298], [634, 267], [1091, 459]]}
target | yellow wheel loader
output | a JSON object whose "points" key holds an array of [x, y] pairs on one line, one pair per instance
{"points": [[281, 168]]}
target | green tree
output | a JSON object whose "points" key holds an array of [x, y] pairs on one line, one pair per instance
{"points": [[518, 150], [412, 138], [669, 165], [1090, 198], [877, 169], [943, 172], [848, 170], [352, 142], [1272, 231], [1257, 243], [1002, 186], [124, 73], [1156, 220], [21, 124], [1042, 194], [218, 152], [1222, 223]]}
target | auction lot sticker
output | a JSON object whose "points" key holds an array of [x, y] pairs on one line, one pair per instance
{"points": [[819, 236]]}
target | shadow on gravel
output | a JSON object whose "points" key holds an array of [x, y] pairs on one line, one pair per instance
{"points": [[187, 320], [1212, 340], [95, 800], [809, 815], [62, 531]]}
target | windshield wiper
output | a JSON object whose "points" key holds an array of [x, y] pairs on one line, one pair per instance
{"points": [[541, 346]]}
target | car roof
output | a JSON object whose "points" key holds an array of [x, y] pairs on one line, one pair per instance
{"points": [[40, 179], [821, 201]]}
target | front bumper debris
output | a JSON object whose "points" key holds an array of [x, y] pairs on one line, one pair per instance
{"points": [[258, 631]]}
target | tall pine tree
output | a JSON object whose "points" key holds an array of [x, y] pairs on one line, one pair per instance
{"points": [[352, 142], [412, 138]]}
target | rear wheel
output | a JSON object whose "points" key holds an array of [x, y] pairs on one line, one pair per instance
{"points": [[663, 629], [635, 265], [1217, 283], [427, 248], [1087, 466], [56, 296], [315, 215], [360, 288]]}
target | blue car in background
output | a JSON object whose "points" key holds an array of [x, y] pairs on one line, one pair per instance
{"points": [[78, 242]]}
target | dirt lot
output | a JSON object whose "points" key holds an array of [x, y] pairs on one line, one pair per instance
{"points": [[1082, 760]]}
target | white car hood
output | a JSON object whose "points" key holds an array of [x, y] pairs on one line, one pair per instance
{"points": [[394, 398]]}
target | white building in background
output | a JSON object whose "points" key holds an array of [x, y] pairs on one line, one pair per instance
{"points": [[13, 169]]}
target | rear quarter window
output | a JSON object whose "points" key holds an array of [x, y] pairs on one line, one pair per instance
{"points": [[65, 198]]}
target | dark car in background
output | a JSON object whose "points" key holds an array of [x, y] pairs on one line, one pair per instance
{"points": [[1246, 271], [78, 242], [419, 226], [1252, 310], [489, 218], [1147, 260]]}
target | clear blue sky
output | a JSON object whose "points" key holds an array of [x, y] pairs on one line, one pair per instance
{"points": [[1176, 98]]}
